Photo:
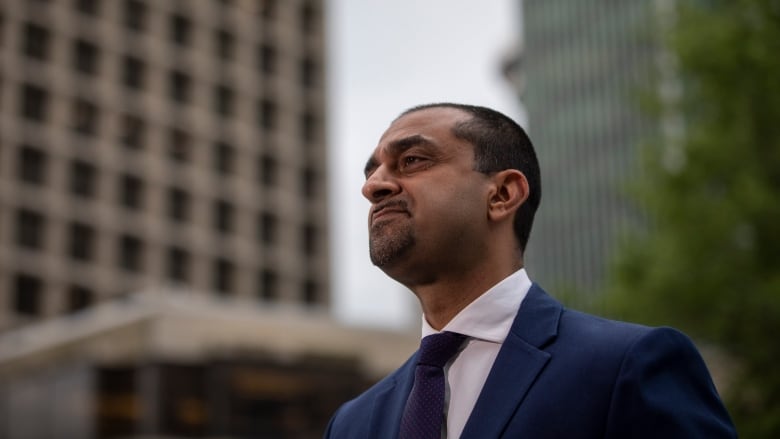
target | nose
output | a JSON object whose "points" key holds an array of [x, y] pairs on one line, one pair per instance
{"points": [[380, 185]]}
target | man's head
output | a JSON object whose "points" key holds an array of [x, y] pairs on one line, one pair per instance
{"points": [[499, 143], [444, 179]]}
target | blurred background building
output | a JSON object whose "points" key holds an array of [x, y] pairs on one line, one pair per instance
{"points": [[164, 261], [580, 73]]}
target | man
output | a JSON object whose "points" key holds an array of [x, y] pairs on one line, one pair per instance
{"points": [[453, 191]]}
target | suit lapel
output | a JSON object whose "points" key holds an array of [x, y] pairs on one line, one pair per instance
{"points": [[519, 362], [389, 404]]}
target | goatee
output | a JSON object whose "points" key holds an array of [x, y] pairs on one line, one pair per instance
{"points": [[388, 241]]}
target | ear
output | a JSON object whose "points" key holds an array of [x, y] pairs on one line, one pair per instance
{"points": [[510, 191]]}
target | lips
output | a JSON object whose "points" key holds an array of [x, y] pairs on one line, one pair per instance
{"points": [[387, 209]]}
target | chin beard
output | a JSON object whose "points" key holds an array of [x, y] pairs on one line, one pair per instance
{"points": [[387, 244]]}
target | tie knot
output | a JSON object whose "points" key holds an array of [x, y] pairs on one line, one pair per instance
{"points": [[437, 349]]}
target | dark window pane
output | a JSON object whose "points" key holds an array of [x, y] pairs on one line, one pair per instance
{"points": [[223, 216], [133, 131], [34, 102], [82, 179], [267, 59], [310, 293], [267, 114], [308, 73], [135, 14], [309, 183], [85, 57], [82, 242], [130, 253], [180, 29], [178, 264], [79, 298], [269, 285], [223, 100], [32, 165], [178, 204], [268, 170], [30, 229], [131, 189], [179, 148], [268, 228], [85, 117], [223, 276], [309, 238], [89, 7], [179, 85], [133, 72], [309, 17], [308, 127], [225, 44], [36, 41], [224, 158], [27, 294]]}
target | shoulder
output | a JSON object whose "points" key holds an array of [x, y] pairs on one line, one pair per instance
{"points": [[354, 419]]}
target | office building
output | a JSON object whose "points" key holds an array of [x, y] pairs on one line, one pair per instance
{"points": [[581, 72]]}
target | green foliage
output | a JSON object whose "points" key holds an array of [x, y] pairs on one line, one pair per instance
{"points": [[709, 262]]}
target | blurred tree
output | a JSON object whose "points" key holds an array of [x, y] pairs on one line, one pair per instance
{"points": [[709, 261]]}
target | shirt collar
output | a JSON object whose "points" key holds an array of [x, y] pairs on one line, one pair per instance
{"points": [[489, 317]]}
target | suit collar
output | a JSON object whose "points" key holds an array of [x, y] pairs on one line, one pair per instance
{"points": [[519, 362]]}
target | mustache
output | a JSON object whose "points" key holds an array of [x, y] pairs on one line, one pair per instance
{"points": [[392, 204]]}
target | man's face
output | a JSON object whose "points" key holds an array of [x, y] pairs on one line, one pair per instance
{"points": [[428, 205]]}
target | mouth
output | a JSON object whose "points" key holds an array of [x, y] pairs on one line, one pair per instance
{"points": [[385, 210]]}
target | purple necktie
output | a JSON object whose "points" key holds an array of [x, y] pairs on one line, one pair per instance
{"points": [[424, 412]]}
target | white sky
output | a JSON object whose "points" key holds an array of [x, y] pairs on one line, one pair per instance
{"points": [[386, 56]]}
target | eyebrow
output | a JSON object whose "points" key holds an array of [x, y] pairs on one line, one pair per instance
{"points": [[396, 147]]}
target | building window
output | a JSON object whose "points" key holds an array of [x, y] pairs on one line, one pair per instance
{"points": [[31, 166], [309, 182], [30, 228], [82, 242], [179, 86], [133, 72], [269, 286], [179, 148], [85, 57], [268, 228], [224, 158], [85, 117], [34, 102], [181, 29], [131, 253], [131, 190], [223, 216], [309, 238], [82, 178], [223, 100], [27, 294], [309, 18], [308, 73], [267, 114], [310, 292], [36, 41], [178, 205], [79, 298], [268, 170], [133, 130], [267, 59], [267, 9], [135, 15], [225, 44], [308, 127], [178, 264], [223, 276], [88, 7]]}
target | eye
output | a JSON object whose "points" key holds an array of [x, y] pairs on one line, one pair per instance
{"points": [[411, 161]]}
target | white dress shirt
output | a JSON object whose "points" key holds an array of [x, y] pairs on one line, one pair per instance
{"points": [[486, 321]]}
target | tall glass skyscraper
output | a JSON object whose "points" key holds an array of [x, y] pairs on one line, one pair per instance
{"points": [[583, 66]]}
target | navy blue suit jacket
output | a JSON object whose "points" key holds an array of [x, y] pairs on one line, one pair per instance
{"points": [[565, 374]]}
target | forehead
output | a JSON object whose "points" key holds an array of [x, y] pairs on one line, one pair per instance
{"points": [[436, 122]]}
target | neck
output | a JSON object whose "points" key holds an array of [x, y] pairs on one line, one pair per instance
{"points": [[443, 299]]}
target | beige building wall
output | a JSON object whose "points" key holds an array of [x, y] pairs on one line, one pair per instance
{"points": [[161, 143]]}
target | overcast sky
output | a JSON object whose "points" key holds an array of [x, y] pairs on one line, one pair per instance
{"points": [[386, 56]]}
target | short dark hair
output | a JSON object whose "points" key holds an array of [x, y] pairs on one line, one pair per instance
{"points": [[499, 144]]}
